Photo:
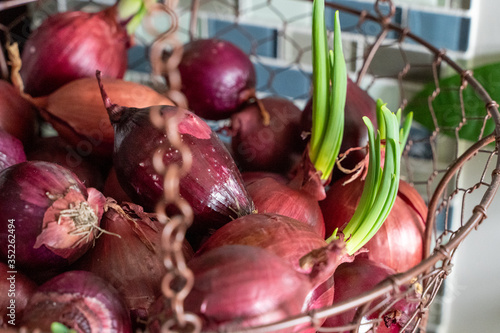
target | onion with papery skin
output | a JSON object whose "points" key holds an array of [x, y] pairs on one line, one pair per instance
{"points": [[76, 112], [79, 300], [213, 186], [217, 77], [132, 262], [56, 150], [17, 115], [362, 275], [11, 150], [54, 216], [16, 289], [237, 286], [291, 199], [399, 242], [270, 144], [288, 238], [70, 45]]}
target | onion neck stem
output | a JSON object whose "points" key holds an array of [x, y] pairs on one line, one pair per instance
{"points": [[381, 184], [329, 94]]}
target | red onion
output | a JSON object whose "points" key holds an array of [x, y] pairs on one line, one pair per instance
{"points": [[76, 112], [362, 275], [217, 77], [289, 239], [11, 150], [358, 104], [398, 243], [16, 289], [293, 199], [51, 214], [266, 144], [56, 150], [17, 115], [72, 45], [251, 176], [213, 187], [79, 300], [132, 262], [236, 286]]}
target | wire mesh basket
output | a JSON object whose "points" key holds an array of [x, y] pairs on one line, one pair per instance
{"points": [[382, 57]]}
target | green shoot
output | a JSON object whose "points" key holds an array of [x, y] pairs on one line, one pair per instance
{"points": [[329, 94], [381, 184]]}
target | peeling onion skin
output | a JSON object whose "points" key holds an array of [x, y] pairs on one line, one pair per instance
{"points": [[33, 195], [11, 150], [77, 113], [133, 263], [217, 78], [78, 300], [23, 288], [399, 242], [71, 45]]}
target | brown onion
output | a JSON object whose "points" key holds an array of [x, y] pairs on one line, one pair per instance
{"points": [[17, 115], [77, 113]]}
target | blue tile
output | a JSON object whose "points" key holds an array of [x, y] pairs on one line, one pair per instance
{"points": [[138, 59], [250, 38], [350, 21], [441, 30], [284, 81]]}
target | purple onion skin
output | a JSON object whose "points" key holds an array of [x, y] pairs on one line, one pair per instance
{"points": [[11, 150], [271, 196], [72, 45], [217, 78], [399, 242], [272, 147], [237, 286], [362, 275], [32, 194], [132, 263], [358, 104], [287, 238], [78, 300], [16, 288], [213, 186], [56, 150]]}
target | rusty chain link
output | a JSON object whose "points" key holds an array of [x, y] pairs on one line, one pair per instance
{"points": [[175, 227]]}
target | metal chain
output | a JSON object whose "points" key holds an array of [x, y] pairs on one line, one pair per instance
{"points": [[179, 280]]}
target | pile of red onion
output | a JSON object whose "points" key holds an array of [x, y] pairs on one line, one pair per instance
{"points": [[277, 229]]}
